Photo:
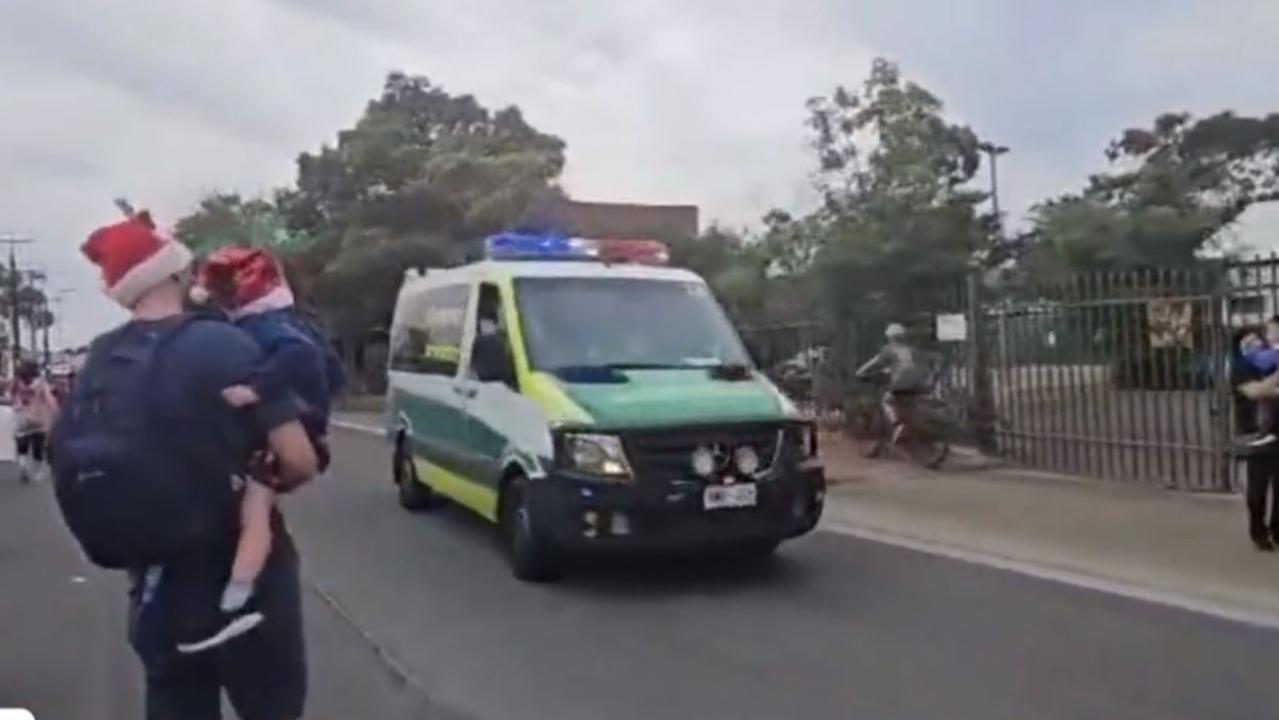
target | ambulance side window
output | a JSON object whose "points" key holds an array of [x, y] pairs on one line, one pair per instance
{"points": [[491, 359], [428, 338]]}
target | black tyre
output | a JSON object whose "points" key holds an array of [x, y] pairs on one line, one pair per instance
{"points": [[412, 494], [531, 554]]}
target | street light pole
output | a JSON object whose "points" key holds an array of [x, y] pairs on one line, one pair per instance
{"points": [[982, 382], [58, 296], [993, 151]]}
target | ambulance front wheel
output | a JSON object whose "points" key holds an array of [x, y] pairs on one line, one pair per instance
{"points": [[531, 554]]}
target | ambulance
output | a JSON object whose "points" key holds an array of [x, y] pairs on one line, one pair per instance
{"points": [[586, 398]]}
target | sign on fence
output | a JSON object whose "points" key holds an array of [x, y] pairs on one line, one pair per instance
{"points": [[1170, 323], [952, 327]]}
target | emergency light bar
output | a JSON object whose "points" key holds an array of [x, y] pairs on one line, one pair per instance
{"points": [[521, 245]]}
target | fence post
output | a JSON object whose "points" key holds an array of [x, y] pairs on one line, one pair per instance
{"points": [[1222, 405], [981, 413]]}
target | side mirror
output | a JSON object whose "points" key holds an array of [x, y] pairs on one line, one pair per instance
{"points": [[491, 360]]}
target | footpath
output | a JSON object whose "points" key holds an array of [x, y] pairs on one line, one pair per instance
{"points": [[1184, 549]]}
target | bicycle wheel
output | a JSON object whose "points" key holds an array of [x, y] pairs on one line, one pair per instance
{"points": [[924, 439], [924, 448], [865, 427]]}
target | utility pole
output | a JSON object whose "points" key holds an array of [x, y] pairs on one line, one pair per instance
{"points": [[45, 322], [35, 277], [15, 284]]}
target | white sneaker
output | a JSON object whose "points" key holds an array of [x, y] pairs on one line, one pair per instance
{"points": [[234, 629], [1261, 440]]}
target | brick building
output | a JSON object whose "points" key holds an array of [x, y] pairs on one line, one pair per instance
{"points": [[603, 219]]}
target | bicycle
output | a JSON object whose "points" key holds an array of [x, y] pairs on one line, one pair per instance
{"points": [[922, 437]]}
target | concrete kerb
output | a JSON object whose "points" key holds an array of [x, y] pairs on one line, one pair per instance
{"points": [[359, 428]]}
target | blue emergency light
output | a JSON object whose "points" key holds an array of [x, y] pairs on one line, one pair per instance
{"points": [[524, 245]]}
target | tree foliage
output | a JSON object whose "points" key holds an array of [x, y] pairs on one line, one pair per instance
{"points": [[1171, 191], [227, 219], [899, 212], [419, 173]]}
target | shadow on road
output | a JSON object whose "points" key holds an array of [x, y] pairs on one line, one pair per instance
{"points": [[662, 577], [637, 575]]}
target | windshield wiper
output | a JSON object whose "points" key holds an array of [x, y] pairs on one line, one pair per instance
{"points": [[732, 372], [588, 374]]}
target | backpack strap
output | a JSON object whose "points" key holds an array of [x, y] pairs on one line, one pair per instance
{"points": [[186, 444]]}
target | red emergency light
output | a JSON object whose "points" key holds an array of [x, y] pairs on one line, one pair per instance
{"points": [[635, 251]]}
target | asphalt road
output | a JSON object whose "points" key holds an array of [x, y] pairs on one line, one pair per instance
{"points": [[417, 616], [835, 628], [63, 653]]}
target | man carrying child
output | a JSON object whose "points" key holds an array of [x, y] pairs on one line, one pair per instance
{"points": [[149, 466]]}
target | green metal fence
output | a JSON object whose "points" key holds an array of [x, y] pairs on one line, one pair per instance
{"points": [[1117, 375]]}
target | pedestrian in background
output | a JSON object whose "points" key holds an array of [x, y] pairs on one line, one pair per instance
{"points": [[34, 409], [1261, 461]]}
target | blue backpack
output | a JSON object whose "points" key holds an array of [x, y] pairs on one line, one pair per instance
{"points": [[334, 373], [136, 488]]}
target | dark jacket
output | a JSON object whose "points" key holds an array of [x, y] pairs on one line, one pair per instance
{"points": [[1241, 372], [295, 361]]}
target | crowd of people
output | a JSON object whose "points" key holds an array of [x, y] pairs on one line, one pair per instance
{"points": [[169, 449]]}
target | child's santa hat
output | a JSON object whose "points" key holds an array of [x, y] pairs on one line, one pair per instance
{"points": [[134, 258], [244, 281]]}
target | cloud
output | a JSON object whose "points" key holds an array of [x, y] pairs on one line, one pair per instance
{"points": [[681, 102]]}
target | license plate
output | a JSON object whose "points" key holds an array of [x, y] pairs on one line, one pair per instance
{"points": [[718, 497]]}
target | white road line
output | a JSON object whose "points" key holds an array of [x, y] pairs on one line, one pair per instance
{"points": [[1065, 576], [357, 427]]}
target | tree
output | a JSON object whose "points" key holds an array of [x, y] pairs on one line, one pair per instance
{"points": [[898, 212], [791, 244], [1172, 190], [227, 219], [420, 173]]}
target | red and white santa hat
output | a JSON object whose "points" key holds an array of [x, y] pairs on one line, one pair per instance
{"points": [[244, 280], [134, 257]]}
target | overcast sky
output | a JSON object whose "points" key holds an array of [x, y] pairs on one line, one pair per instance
{"points": [[699, 102]]}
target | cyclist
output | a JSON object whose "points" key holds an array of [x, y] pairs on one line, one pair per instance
{"points": [[908, 375]]}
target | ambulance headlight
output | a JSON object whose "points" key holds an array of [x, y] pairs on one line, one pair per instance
{"points": [[600, 456]]}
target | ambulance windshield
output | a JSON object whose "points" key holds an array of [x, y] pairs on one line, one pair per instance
{"points": [[625, 324]]}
